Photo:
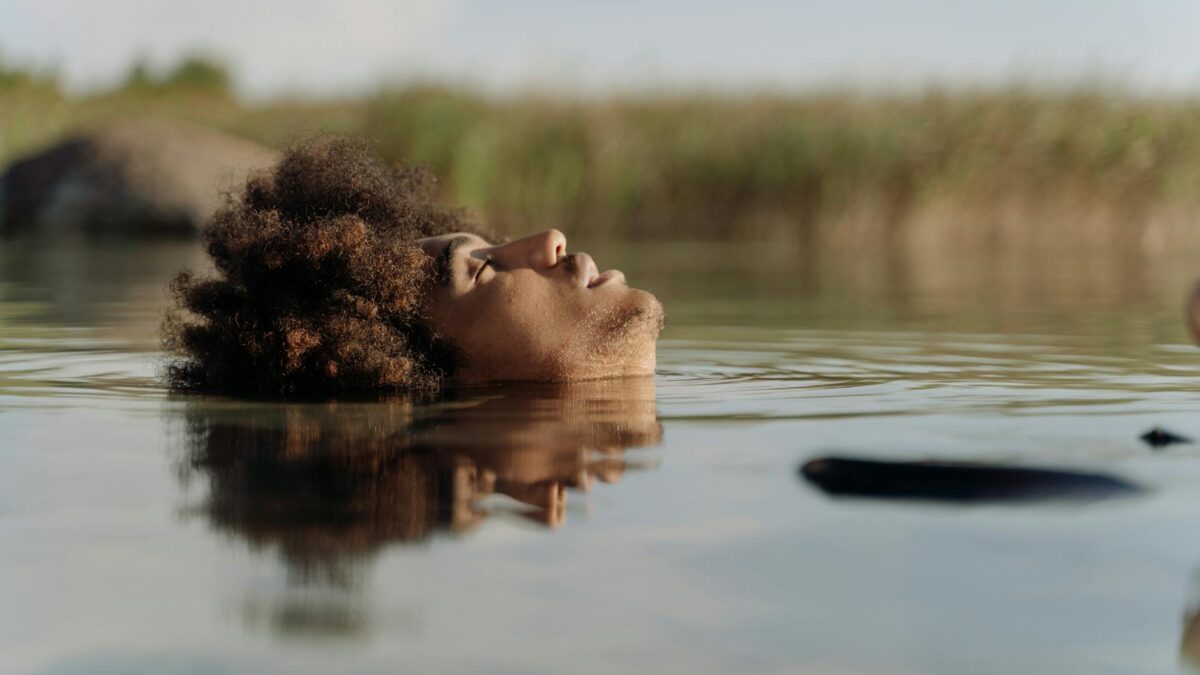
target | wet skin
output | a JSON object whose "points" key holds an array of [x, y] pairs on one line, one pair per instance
{"points": [[529, 310]]}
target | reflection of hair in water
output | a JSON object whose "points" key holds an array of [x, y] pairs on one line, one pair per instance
{"points": [[325, 484], [328, 485], [1189, 641]]}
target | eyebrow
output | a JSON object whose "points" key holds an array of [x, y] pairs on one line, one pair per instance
{"points": [[446, 257]]}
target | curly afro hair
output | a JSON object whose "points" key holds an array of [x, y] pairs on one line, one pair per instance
{"points": [[319, 282]]}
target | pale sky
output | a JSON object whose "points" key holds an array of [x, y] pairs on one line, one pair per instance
{"points": [[353, 45]]}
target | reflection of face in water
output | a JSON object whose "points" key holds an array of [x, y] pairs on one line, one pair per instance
{"points": [[1189, 641], [330, 484]]}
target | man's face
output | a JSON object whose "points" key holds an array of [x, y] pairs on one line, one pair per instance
{"points": [[528, 310]]}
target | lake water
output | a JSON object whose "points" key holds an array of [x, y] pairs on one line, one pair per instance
{"points": [[645, 526]]}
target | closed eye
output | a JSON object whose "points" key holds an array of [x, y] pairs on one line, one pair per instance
{"points": [[487, 260]]}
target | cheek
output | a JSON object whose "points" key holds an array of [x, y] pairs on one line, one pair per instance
{"points": [[524, 328], [532, 316], [523, 322], [488, 320]]}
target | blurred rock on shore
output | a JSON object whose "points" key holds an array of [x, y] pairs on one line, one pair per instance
{"points": [[134, 178]]}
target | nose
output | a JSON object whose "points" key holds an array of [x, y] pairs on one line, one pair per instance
{"points": [[539, 251]]}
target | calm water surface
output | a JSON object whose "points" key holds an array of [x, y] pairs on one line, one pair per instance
{"points": [[643, 526]]}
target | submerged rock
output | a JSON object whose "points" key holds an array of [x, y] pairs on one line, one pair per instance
{"points": [[958, 482], [1159, 437], [126, 179]]}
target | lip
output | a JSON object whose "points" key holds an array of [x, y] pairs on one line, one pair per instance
{"points": [[585, 269], [590, 275], [608, 276]]}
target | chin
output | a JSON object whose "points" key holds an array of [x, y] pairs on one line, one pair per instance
{"points": [[627, 341], [618, 340], [649, 315]]}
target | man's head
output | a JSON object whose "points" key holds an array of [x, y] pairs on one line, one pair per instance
{"points": [[339, 275]]}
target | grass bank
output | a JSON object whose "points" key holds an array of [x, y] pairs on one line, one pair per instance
{"points": [[991, 167]]}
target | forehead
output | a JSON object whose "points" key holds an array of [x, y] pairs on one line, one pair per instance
{"points": [[433, 246]]}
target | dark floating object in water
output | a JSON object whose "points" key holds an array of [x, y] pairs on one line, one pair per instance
{"points": [[962, 483], [1159, 438]]}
